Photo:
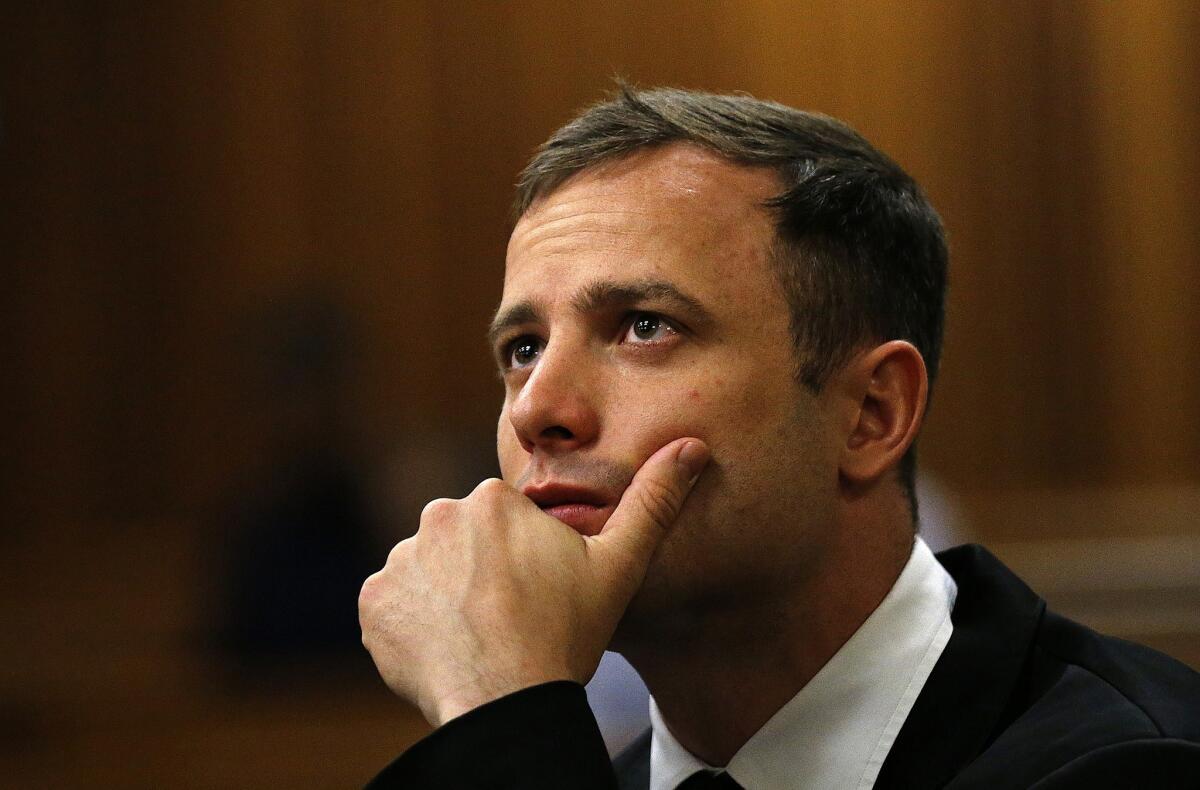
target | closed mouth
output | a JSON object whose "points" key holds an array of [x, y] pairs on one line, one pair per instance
{"points": [[584, 510]]}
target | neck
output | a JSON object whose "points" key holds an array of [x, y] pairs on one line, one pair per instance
{"points": [[736, 668]]}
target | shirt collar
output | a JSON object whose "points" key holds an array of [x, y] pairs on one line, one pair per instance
{"points": [[837, 731]]}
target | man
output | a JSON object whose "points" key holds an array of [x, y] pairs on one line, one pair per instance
{"points": [[720, 322]]}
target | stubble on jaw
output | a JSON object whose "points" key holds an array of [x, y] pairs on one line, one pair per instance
{"points": [[595, 473], [692, 587]]}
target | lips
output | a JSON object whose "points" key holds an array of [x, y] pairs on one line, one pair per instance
{"points": [[585, 510]]}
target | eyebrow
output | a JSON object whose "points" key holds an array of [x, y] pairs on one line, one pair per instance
{"points": [[601, 295]]}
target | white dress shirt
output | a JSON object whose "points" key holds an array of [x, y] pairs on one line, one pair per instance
{"points": [[837, 731]]}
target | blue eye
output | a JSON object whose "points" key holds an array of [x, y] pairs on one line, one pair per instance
{"points": [[523, 351]]}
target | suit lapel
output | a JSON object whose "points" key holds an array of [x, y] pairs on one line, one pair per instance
{"points": [[966, 699]]}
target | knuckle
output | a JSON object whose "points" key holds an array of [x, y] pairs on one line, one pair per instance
{"points": [[439, 511], [369, 594], [491, 495], [661, 500], [491, 489], [396, 555]]}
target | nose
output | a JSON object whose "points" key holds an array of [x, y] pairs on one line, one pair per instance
{"points": [[555, 410]]}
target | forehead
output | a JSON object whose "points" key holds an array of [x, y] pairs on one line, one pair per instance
{"points": [[677, 212]]}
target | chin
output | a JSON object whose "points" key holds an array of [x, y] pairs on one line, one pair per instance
{"points": [[656, 606]]}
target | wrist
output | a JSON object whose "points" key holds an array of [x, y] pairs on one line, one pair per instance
{"points": [[479, 693]]}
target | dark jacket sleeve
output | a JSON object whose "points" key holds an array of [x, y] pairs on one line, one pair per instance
{"points": [[544, 736]]}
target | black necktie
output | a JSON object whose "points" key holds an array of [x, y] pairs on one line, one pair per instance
{"points": [[706, 780]]}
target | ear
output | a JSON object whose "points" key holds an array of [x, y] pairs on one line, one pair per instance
{"points": [[885, 390]]}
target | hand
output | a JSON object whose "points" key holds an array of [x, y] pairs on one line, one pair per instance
{"points": [[492, 595]]}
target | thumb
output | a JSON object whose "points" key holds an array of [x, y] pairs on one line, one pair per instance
{"points": [[651, 504]]}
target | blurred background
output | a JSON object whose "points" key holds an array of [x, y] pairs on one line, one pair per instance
{"points": [[250, 250]]}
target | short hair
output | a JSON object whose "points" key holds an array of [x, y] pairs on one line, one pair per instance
{"points": [[859, 252]]}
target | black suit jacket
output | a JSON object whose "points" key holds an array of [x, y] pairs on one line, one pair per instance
{"points": [[1020, 698]]}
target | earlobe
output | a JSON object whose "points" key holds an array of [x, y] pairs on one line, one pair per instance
{"points": [[889, 386]]}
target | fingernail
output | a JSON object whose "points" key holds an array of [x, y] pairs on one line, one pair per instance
{"points": [[693, 456]]}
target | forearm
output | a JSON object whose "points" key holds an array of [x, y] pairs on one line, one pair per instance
{"points": [[544, 736]]}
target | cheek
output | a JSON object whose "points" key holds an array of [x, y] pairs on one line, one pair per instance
{"points": [[740, 416], [511, 456], [692, 408]]}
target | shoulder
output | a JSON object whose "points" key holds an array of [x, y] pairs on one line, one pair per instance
{"points": [[1021, 695], [1095, 711], [1151, 762], [1142, 687]]}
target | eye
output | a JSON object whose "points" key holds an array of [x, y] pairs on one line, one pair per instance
{"points": [[648, 328], [523, 351]]}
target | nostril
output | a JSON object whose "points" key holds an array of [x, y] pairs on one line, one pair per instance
{"points": [[557, 432]]}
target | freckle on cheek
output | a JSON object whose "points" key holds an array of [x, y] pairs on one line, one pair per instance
{"points": [[694, 394]]}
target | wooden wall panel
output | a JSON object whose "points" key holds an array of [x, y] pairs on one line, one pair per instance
{"points": [[196, 165], [1148, 263]]}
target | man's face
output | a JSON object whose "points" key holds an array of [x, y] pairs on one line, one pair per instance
{"points": [[639, 307]]}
